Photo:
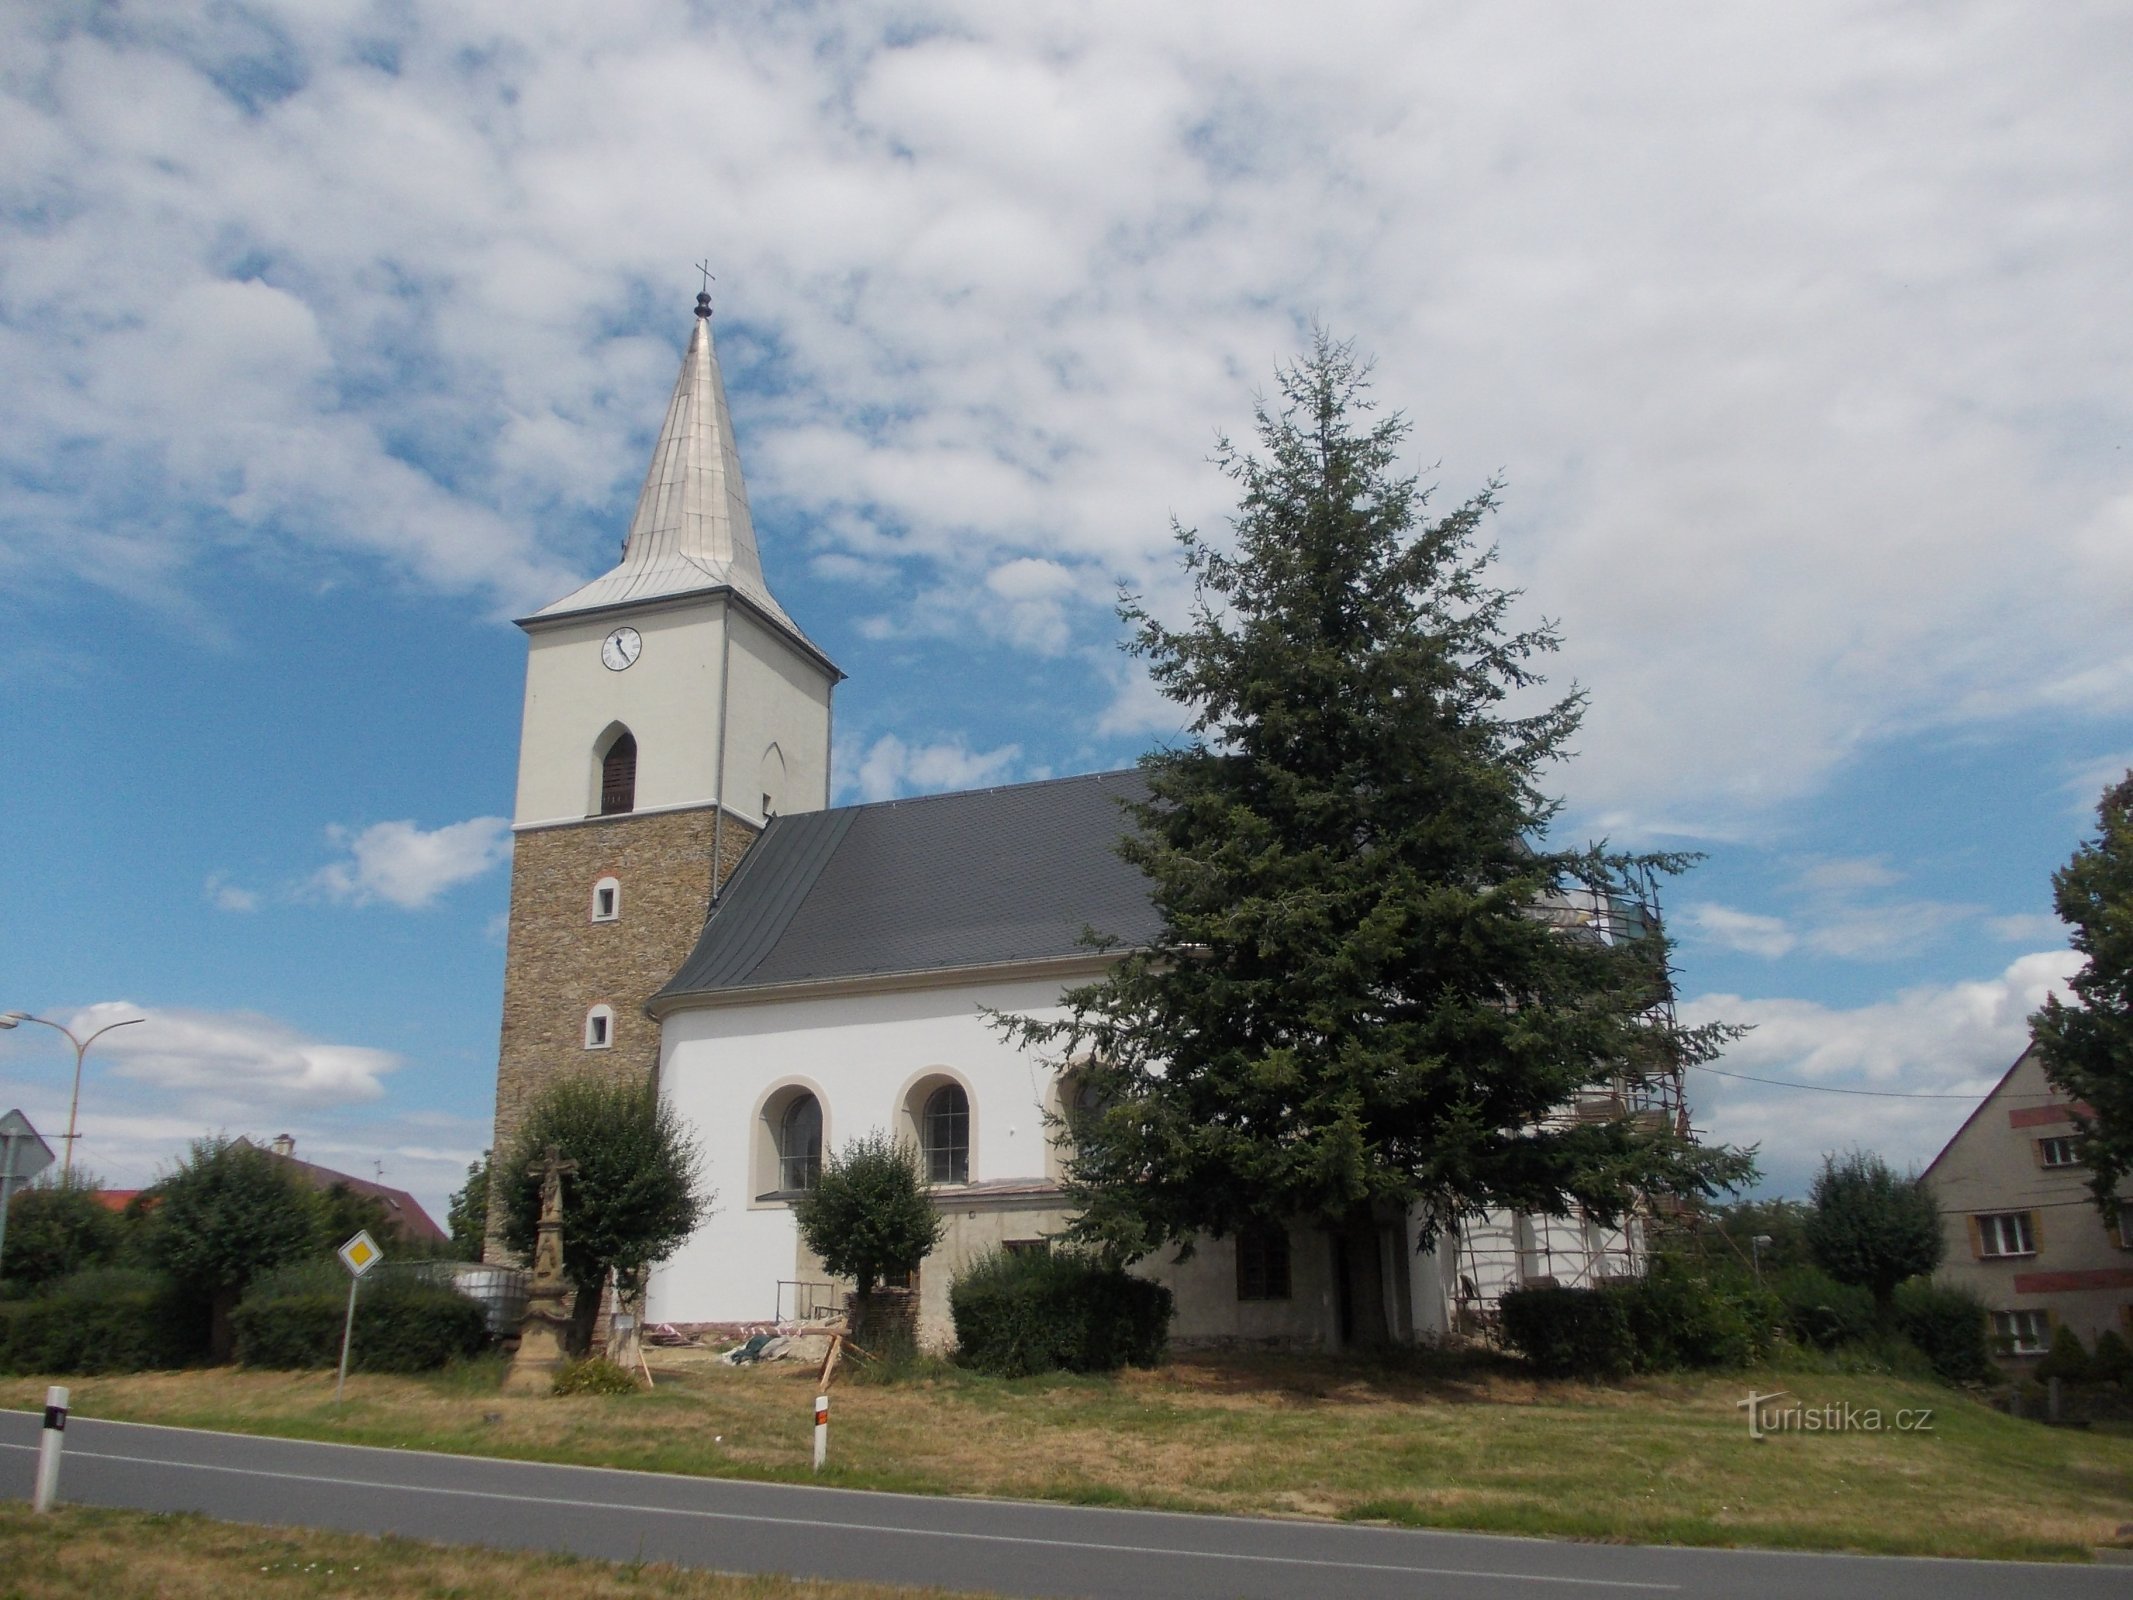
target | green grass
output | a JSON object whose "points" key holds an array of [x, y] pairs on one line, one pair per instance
{"points": [[133, 1555], [1417, 1441]]}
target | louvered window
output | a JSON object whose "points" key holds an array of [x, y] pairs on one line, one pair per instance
{"points": [[618, 777], [1263, 1262]]}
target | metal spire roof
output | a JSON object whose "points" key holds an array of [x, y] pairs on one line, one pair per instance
{"points": [[692, 530]]}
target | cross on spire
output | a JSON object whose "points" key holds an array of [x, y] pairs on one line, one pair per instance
{"points": [[703, 299]]}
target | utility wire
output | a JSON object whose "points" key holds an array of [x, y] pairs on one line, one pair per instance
{"points": [[1879, 1094]]}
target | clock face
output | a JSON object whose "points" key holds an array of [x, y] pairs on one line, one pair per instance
{"points": [[621, 648]]}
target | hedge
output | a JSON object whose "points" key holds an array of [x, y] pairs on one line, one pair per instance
{"points": [[1949, 1327], [1674, 1317], [108, 1319], [1021, 1312], [1570, 1333], [1823, 1312], [401, 1325]]}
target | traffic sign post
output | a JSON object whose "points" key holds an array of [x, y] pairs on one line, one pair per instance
{"points": [[358, 1255], [22, 1156]]}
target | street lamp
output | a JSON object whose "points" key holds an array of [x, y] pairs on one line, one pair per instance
{"points": [[12, 1019], [1758, 1245]]}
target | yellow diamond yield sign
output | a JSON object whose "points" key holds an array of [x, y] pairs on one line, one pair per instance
{"points": [[361, 1253]]}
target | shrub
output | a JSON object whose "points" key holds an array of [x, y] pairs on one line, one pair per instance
{"points": [[58, 1228], [1680, 1317], [1821, 1311], [108, 1319], [2112, 1359], [2067, 1360], [595, 1375], [1571, 1333], [1035, 1311], [1949, 1327], [401, 1325]]}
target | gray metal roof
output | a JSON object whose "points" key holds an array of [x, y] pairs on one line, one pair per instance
{"points": [[692, 531], [924, 885]]}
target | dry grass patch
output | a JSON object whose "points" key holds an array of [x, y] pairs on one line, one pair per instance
{"points": [[131, 1555], [1468, 1444]]}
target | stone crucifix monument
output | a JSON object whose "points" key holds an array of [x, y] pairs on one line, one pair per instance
{"points": [[541, 1350]]}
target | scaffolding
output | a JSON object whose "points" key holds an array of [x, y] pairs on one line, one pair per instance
{"points": [[1502, 1250]]}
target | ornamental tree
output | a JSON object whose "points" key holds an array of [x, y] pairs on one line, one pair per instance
{"points": [[636, 1196], [1358, 1005], [2087, 1048], [1871, 1228], [228, 1213], [58, 1226], [869, 1216]]}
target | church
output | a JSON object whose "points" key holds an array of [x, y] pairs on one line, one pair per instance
{"points": [[688, 905]]}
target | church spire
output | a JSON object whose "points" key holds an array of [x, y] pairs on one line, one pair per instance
{"points": [[691, 530]]}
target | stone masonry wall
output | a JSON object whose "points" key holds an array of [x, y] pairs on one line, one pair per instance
{"points": [[559, 963]]}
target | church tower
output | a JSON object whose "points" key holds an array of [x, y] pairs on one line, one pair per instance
{"points": [[671, 708]]}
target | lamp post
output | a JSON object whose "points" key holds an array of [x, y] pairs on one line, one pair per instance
{"points": [[1758, 1244], [10, 1019]]}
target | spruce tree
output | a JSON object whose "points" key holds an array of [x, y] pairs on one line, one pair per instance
{"points": [[2087, 1048], [1360, 1004]]}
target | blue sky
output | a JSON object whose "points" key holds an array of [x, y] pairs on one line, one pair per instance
{"points": [[334, 336]]}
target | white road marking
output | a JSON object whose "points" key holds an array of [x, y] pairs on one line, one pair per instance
{"points": [[817, 1523]]}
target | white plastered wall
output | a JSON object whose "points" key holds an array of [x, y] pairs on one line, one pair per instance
{"points": [[670, 699], [718, 1065]]}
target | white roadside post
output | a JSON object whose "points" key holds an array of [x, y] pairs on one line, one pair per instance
{"points": [[822, 1430], [55, 1433], [358, 1255]]}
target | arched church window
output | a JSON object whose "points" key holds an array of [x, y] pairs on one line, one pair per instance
{"points": [[944, 1135], [800, 1144], [618, 777]]}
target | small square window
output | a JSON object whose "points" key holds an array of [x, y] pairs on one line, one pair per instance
{"points": [[600, 1028], [607, 900], [2058, 1151]]}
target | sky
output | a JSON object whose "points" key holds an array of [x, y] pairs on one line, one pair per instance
{"points": [[334, 336]]}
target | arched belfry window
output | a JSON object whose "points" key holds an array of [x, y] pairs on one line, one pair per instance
{"points": [[944, 1134], [618, 776], [800, 1144]]}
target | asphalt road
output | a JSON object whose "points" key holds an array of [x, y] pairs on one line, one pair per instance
{"points": [[1003, 1547]]}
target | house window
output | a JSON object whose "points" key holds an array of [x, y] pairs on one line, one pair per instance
{"points": [[1263, 1262], [600, 1028], [944, 1135], [618, 777], [2007, 1233], [2022, 1333], [607, 901], [800, 1144], [2057, 1151]]}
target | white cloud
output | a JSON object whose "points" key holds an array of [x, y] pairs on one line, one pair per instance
{"points": [[1747, 931], [188, 1072], [1943, 1040], [1014, 266], [399, 863], [2027, 927], [891, 768], [231, 1060], [227, 896]]}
